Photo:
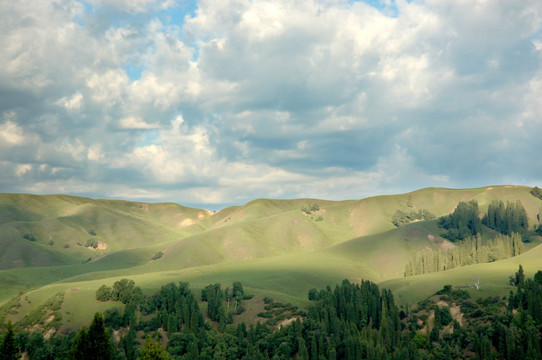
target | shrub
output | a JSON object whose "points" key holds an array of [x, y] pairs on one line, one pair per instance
{"points": [[29, 237], [103, 293], [93, 243]]}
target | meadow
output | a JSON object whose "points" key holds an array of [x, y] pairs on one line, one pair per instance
{"points": [[279, 248]]}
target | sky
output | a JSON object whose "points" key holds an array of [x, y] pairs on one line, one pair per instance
{"points": [[212, 103]]}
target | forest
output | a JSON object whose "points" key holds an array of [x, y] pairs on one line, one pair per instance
{"points": [[349, 321]]}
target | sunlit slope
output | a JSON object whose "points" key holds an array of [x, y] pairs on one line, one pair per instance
{"points": [[53, 230], [287, 277], [373, 215], [494, 278]]}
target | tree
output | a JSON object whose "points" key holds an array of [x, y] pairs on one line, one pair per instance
{"points": [[520, 277], [103, 293], [8, 348], [94, 343], [153, 350], [302, 352]]}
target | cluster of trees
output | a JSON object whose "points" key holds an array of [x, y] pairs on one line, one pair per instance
{"points": [[472, 250], [508, 219], [464, 222], [536, 192], [401, 217], [123, 290], [91, 242], [215, 297], [310, 208], [495, 328], [350, 321]]}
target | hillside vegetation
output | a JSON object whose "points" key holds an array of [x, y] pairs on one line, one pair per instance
{"points": [[280, 248]]}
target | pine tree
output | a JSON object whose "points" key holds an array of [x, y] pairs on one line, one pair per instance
{"points": [[8, 348], [302, 352]]}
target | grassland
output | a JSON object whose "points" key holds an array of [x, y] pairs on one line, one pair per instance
{"points": [[272, 246]]}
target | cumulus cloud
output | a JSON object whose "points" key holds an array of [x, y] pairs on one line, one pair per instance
{"points": [[229, 100]]}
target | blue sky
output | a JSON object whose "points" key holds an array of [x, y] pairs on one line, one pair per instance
{"points": [[217, 102]]}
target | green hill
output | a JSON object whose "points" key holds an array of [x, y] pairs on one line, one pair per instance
{"points": [[281, 248]]}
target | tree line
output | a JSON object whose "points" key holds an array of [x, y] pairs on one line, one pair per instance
{"points": [[472, 250], [465, 222], [349, 321]]}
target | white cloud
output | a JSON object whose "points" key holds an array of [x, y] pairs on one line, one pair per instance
{"points": [[135, 123], [22, 169], [75, 102], [278, 98], [11, 133]]}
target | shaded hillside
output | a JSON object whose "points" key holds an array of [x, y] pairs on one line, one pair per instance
{"points": [[56, 229]]}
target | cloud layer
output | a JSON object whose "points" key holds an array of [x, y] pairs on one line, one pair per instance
{"points": [[222, 101]]}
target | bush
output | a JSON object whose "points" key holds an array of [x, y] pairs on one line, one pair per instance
{"points": [[29, 237], [91, 232], [445, 315], [93, 243], [157, 255], [103, 293]]}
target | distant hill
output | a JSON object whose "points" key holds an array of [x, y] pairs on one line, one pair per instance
{"points": [[58, 243]]}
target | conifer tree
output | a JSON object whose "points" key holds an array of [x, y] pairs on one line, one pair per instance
{"points": [[8, 348]]}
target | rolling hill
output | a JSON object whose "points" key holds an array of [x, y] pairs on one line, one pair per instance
{"points": [[279, 248]]}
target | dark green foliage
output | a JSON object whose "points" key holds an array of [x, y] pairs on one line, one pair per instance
{"points": [[125, 291], [350, 321], [445, 315], [93, 243], [128, 344], [214, 296], [508, 219], [158, 255], [91, 232], [310, 208], [313, 294], [536, 192], [94, 343], [113, 318], [277, 311], [8, 349], [463, 222], [29, 237], [103, 293]]}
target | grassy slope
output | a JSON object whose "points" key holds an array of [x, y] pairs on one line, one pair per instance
{"points": [[269, 245], [493, 278]]}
